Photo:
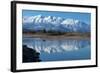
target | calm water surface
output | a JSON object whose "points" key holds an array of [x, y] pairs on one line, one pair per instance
{"points": [[63, 49]]}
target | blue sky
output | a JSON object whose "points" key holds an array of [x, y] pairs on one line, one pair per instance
{"points": [[85, 17]]}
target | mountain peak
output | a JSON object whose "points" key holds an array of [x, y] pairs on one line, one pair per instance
{"points": [[70, 21], [40, 22], [48, 19]]}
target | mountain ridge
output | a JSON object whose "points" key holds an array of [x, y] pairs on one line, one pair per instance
{"points": [[53, 23]]}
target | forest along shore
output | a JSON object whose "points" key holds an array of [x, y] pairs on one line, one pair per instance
{"points": [[58, 36]]}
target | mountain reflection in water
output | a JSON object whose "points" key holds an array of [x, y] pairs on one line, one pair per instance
{"points": [[63, 49]]}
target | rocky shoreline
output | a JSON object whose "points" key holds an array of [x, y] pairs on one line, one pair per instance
{"points": [[30, 55]]}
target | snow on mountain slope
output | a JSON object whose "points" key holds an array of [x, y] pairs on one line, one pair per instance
{"points": [[40, 22]]}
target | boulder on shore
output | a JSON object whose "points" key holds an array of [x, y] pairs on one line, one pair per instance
{"points": [[30, 55]]}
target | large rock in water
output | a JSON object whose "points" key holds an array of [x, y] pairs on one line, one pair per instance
{"points": [[30, 55]]}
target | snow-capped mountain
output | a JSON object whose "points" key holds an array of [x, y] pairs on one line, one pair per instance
{"points": [[53, 23]]}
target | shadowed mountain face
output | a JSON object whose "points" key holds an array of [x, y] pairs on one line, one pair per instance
{"points": [[52, 23]]}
